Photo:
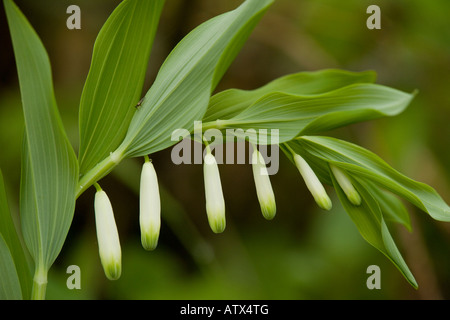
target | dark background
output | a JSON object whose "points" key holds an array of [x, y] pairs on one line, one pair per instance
{"points": [[304, 253]]}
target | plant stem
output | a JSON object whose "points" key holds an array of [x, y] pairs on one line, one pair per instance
{"points": [[216, 124], [208, 149], [289, 148], [99, 171], [39, 284]]}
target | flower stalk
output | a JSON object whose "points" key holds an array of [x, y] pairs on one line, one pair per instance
{"points": [[99, 171]]}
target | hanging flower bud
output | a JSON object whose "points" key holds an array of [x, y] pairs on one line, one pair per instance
{"points": [[107, 236], [215, 203], [312, 183], [346, 185], [149, 206], [264, 190]]}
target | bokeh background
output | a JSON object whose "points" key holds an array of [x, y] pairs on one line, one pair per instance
{"points": [[304, 253]]}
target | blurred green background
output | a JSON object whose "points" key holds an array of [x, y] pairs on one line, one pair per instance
{"points": [[304, 253]]}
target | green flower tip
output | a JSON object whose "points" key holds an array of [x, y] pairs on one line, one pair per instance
{"points": [[113, 270], [354, 198], [217, 224], [269, 209], [344, 182], [149, 239], [324, 202]]}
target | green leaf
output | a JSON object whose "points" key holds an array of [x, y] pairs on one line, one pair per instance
{"points": [[49, 164], [371, 225], [181, 91], [295, 115], [10, 235], [362, 163], [9, 280], [391, 206], [116, 77], [229, 103]]}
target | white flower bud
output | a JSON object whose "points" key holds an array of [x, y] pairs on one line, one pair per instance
{"points": [[149, 207], [107, 236], [215, 203], [312, 183], [346, 185], [264, 190]]}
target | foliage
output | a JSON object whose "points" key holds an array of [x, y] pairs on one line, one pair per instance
{"points": [[300, 106]]}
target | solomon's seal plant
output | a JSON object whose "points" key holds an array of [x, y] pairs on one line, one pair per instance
{"points": [[116, 123]]}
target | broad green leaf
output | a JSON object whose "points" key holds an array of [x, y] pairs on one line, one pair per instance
{"points": [[181, 91], [49, 164], [295, 115], [371, 225], [229, 103], [9, 280], [10, 235], [391, 206], [116, 76], [362, 163]]}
